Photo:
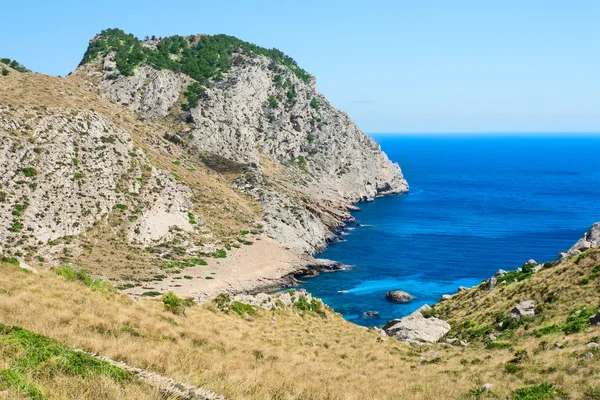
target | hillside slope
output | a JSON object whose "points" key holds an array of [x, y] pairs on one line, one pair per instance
{"points": [[240, 353]]}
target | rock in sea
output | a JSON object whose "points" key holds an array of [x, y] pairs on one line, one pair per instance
{"points": [[399, 296]]}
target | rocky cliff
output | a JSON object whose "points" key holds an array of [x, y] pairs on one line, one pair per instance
{"points": [[304, 160], [167, 154]]}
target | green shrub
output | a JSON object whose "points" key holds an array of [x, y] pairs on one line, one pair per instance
{"points": [[221, 253], [272, 101], [184, 263], [498, 345], [29, 172], [543, 391], [480, 393], [313, 306], [242, 308], [592, 276], [9, 260], [173, 303], [193, 95], [578, 320], [592, 393], [5, 72], [315, 103], [71, 274], [151, 294]]}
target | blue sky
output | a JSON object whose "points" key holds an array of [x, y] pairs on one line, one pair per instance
{"points": [[394, 66]]}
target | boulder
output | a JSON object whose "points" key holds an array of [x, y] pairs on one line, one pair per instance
{"points": [[462, 288], [415, 328], [590, 239], [531, 261], [523, 309], [399, 296], [492, 283], [446, 297], [500, 272], [595, 319], [370, 314]]}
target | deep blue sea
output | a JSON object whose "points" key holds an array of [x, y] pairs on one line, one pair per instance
{"points": [[476, 204]]}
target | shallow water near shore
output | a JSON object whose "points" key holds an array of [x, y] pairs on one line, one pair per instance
{"points": [[476, 204]]}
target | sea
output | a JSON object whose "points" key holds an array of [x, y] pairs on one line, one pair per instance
{"points": [[477, 203]]}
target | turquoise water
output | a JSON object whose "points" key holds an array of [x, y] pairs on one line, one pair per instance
{"points": [[475, 205]]}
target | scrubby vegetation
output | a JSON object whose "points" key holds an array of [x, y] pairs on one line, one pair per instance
{"points": [[203, 57], [13, 64]]}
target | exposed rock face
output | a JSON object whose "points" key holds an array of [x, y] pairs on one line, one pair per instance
{"points": [[149, 91], [262, 115], [399, 296], [66, 169], [276, 301], [590, 239], [415, 328], [523, 309]]}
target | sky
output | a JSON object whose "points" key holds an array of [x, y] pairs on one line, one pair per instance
{"points": [[393, 66]]}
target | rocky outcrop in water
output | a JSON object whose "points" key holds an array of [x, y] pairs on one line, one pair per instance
{"points": [[399, 296]]}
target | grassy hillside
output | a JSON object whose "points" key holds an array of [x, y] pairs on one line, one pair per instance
{"points": [[242, 357]]}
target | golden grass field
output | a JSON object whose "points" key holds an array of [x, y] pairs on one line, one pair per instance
{"points": [[294, 355]]}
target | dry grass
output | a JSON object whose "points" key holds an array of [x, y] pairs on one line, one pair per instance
{"points": [[275, 355]]}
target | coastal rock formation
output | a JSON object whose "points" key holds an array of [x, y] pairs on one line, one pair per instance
{"points": [[523, 309], [287, 299], [399, 296], [306, 162], [415, 328], [590, 239]]}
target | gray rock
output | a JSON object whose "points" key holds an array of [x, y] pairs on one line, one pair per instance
{"points": [[415, 328], [523, 309], [446, 297], [590, 239], [531, 261], [487, 386], [500, 272], [370, 314], [588, 356], [592, 344], [462, 288], [492, 283], [399, 296]]}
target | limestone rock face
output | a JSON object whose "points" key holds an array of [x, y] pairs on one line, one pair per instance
{"points": [[149, 91], [275, 301], [399, 296], [305, 161], [67, 169], [415, 328], [523, 309]]}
